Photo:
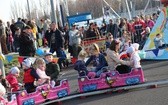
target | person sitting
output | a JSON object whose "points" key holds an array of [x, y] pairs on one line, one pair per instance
{"points": [[29, 76], [159, 42], [113, 58], [40, 67], [80, 65], [99, 60], [134, 57], [109, 39], [52, 68], [12, 79]]}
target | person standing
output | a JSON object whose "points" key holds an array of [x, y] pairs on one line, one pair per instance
{"points": [[138, 27], [19, 23], [56, 41], [27, 47], [3, 38]]}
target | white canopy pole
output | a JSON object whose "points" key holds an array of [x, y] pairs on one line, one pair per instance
{"points": [[112, 9], [129, 13], [146, 6]]}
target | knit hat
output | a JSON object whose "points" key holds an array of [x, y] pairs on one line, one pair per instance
{"points": [[14, 70], [135, 45], [27, 62], [48, 53], [130, 50]]}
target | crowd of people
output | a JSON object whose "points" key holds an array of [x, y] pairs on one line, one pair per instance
{"points": [[23, 37], [17, 35]]}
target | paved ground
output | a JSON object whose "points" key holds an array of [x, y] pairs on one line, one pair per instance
{"points": [[154, 70]]}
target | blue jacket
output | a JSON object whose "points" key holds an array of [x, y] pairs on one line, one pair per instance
{"points": [[81, 68], [98, 62]]}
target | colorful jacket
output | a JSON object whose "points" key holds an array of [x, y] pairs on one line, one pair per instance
{"points": [[30, 75], [13, 82], [98, 62]]}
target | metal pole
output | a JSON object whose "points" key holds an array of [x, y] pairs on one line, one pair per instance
{"points": [[133, 2], [62, 16], [28, 6], [112, 9], [129, 13], [146, 6], [102, 7], [53, 12], [59, 12], [66, 7]]}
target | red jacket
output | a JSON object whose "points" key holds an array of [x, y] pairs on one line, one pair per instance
{"points": [[28, 78], [138, 25], [13, 82]]}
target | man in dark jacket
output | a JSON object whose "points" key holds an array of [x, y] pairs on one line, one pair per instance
{"points": [[56, 41], [27, 47]]}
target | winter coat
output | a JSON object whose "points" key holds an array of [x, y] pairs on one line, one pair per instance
{"points": [[27, 47], [52, 70]]}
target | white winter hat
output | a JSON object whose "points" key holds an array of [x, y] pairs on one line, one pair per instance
{"points": [[14, 70], [130, 50], [27, 62], [135, 45]]}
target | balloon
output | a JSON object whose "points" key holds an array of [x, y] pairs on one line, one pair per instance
{"points": [[39, 52], [142, 54]]}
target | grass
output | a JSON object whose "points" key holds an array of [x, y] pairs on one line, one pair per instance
{"points": [[14, 62]]}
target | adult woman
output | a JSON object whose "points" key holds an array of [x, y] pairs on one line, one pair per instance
{"points": [[113, 58]]}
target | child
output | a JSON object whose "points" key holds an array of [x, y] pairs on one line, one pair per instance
{"points": [[99, 60], [159, 42], [80, 65], [109, 39], [52, 68], [134, 57], [12, 79], [40, 67], [29, 76], [62, 59], [136, 46]]}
